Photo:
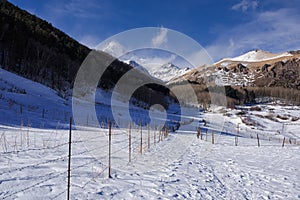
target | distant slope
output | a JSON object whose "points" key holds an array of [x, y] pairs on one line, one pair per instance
{"points": [[164, 72], [255, 68], [256, 56], [167, 71], [263, 73]]}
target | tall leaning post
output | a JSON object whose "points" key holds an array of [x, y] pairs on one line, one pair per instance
{"points": [[129, 142], [69, 161], [141, 139], [109, 149]]}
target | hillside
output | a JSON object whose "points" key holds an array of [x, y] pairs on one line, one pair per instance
{"points": [[33, 48], [249, 76]]}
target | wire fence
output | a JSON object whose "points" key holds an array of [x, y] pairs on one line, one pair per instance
{"points": [[48, 150]]}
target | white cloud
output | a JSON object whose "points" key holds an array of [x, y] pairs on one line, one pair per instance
{"points": [[275, 31], [200, 58], [245, 5], [113, 48], [160, 38]]}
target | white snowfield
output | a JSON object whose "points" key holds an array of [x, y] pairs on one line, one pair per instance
{"points": [[34, 161], [256, 56], [34, 166]]}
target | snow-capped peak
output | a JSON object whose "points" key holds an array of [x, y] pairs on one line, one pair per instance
{"points": [[167, 71], [163, 72], [256, 56]]}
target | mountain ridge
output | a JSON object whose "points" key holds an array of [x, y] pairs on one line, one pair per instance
{"points": [[164, 72], [277, 76]]}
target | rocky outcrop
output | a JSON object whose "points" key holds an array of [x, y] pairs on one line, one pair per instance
{"points": [[280, 74]]}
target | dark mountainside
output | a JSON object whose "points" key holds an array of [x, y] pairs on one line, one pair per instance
{"points": [[33, 48]]}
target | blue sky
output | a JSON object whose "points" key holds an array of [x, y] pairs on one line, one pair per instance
{"points": [[226, 28]]}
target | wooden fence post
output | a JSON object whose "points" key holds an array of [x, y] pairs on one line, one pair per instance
{"points": [[237, 133], [141, 142], [166, 132], [212, 138], [198, 133], [159, 134], [148, 136], [69, 161], [129, 141], [201, 136], [109, 149], [258, 144], [283, 142], [154, 135]]}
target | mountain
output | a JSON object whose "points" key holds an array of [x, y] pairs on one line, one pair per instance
{"points": [[261, 68], [256, 56], [164, 72], [167, 71], [257, 72], [32, 48]]}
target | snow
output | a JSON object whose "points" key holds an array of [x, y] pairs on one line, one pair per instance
{"points": [[256, 56], [34, 154], [27, 103], [164, 72], [181, 166]]}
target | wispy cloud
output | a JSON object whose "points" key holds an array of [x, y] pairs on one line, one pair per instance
{"points": [[271, 30], [113, 48], [77, 8], [160, 38], [245, 5]]}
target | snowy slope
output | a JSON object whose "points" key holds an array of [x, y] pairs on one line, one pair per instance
{"points": [[24, 102], [256, 56], [27, 103]]}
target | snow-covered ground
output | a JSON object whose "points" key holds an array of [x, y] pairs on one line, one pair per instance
{"points": [[27, 103], [34, 166], [34, 151]]}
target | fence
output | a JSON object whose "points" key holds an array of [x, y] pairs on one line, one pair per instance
{"points": [[63, 152], [204, 133], [69, 152]]}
